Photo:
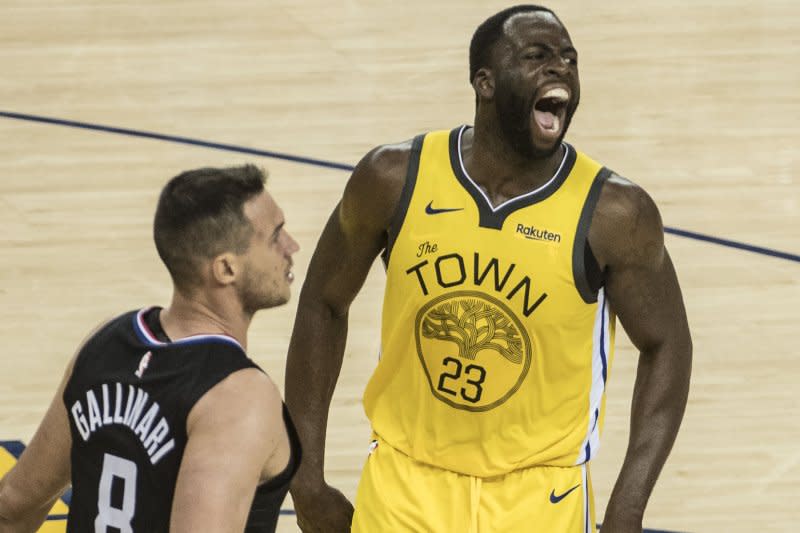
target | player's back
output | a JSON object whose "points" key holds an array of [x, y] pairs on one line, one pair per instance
{"points": [[128, 399]]}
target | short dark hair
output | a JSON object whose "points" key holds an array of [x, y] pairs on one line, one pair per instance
{"points": [[490, 31], [200, 214]]}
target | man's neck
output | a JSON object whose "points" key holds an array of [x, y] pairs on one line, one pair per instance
{"points": [[501, 171], [189, 315]]}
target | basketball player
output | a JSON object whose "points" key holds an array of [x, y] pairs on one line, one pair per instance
{"points": [[508, 255], [162, 421]]}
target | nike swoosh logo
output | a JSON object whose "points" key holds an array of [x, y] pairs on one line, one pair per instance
{"points": [[556, 499], [433, 211]]}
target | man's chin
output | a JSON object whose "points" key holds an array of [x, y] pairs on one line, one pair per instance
{"points": [[266, 303], [529, 145], [545, 143], [544, 149], [281, 299]]}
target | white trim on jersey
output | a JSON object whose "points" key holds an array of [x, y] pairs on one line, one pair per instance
{"points": [[510, 200], [150, 338], [600, 349]]}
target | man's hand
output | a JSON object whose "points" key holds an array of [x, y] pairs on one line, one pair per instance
{"points": [[324, 511]]}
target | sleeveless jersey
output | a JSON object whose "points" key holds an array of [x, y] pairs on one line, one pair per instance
{"points": [[495, 345], [127, 400]]}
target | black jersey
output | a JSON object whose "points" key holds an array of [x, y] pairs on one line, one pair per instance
{"points": [[128, 399]]}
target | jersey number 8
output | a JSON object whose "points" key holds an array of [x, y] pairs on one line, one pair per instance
{"points": [[107, 515]]}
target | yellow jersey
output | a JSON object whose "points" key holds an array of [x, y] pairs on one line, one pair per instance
{"points": [[496, 345]]}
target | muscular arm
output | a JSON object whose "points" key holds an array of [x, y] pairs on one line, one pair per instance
{"points": [[628, 239], [234, 430], [353, 237]]}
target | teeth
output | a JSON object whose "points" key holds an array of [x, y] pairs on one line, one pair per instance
{"points": [[557, 93]]}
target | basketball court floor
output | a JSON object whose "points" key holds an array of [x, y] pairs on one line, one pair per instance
{"points": [[101, 101]]}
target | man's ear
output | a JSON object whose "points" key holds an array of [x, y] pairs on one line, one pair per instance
{"points": [[483, 83], [225, 268]]}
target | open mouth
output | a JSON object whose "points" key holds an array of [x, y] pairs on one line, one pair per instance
{"points": [[550, 110]]}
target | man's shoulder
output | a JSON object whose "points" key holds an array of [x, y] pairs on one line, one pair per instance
{"points": [[621, 201], [626, 222], [624, 202], [122, 323], [249, 392], [374, 188], [393, 158], [387, 160]]}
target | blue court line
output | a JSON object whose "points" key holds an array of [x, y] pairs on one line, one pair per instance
{"points": [[733, 244], [16, 447], [177, 139], [339, 166]]}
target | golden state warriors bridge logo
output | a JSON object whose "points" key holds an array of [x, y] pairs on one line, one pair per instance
{"points": [[474, 350]]}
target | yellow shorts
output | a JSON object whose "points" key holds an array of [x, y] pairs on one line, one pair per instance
{"points": [[398, 494]]}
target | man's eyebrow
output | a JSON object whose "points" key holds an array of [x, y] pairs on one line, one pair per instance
{"points": [[540, 44]]}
